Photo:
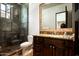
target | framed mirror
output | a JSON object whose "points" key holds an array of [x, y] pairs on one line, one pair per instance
{"points": [[53, 15]]}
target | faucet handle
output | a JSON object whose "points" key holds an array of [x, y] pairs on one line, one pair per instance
{"points": [[65, 33]]}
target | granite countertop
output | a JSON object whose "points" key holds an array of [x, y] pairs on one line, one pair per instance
{"points": [[68, 37]]}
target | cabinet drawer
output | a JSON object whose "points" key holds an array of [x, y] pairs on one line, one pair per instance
{"points": [[48, 41], [54, 42], [38, 40]]}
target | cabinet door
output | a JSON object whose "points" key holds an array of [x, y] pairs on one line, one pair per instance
{"points": [[59, 51], [48, 47], [59, 47], [69, 48], [48, 50]]}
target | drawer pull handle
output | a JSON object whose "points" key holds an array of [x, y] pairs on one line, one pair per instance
{"points": [[53, 47], [50, 46]]}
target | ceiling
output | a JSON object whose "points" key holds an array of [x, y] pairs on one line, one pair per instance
{"points": [[47, 5]]}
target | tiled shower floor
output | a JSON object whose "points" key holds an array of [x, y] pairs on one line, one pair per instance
{"points": [[7, 50]]}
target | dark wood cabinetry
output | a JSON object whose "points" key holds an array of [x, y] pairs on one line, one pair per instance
{"points": [[47, 46], [77, 37]]}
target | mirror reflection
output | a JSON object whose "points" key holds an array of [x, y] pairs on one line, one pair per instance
{"points": [[61, 19], [53, 15]]}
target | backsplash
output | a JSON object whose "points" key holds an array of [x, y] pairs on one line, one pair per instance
{"points": [[58, 31]]}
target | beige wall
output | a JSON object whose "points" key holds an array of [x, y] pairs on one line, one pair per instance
{"points": [[33, 18]]}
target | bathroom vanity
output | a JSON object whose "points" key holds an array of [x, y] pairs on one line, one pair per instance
{"points": [[52, 45], [52, 40]]}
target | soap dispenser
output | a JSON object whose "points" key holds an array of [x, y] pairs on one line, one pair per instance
{"points": [[65, 35]]}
